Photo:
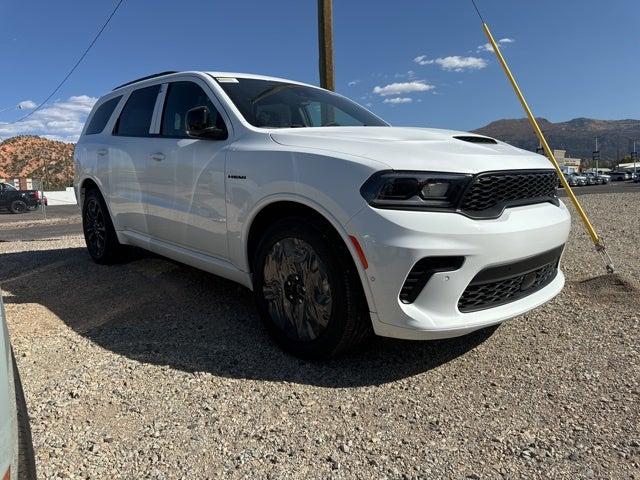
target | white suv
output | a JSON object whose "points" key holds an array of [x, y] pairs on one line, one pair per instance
{"points": [[339, 223]]}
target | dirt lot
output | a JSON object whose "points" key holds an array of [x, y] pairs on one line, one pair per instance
{"points": [[154, 370]]}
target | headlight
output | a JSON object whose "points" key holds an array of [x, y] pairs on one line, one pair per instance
{"points": [[415, 190]]}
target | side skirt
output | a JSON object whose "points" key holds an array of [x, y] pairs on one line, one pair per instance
{"points": [[217, 266]]}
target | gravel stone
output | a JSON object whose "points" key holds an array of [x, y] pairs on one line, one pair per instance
{"points": [[150, 369]]}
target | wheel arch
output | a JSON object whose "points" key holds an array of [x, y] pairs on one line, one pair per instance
{"points": [[280, 208], [88, 183]]}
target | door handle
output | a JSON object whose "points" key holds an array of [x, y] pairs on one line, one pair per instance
{"points": [[158, 157], [102, 152]]}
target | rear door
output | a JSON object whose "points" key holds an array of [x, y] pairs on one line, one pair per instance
{"points": [[192, 172], [133, 144]]}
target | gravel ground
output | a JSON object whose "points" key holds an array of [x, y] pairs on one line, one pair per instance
{"points": [[156, 370]]}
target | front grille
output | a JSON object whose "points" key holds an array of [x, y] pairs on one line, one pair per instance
{"points": [[490, 193], [507, 283]]}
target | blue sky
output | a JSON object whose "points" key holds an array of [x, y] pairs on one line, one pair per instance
{"points": [[573, 58]]}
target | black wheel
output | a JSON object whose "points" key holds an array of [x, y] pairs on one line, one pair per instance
{"points": [[18, 206], [26, 455], [99, 233], [308, 291]]}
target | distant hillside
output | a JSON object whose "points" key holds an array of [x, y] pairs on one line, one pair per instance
{"points": [[576, 136], [26, 156]]}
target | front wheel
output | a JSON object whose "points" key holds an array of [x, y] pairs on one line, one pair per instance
{"points": [[308, 290]]}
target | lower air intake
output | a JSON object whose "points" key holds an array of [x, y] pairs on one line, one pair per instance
{"points": [[503, 284], [422, 271]]}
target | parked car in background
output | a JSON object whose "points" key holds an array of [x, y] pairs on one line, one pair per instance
{"points": [[17, 459], [605, 178], [637, 178], [618, 176], [18, 201], [579, 180], [571, 180], [592, 179], [339, 223]]}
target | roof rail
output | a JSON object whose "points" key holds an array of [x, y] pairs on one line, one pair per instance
{"points": [[145, 78]]}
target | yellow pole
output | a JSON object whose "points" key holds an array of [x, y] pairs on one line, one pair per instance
{"points": [[547, 150]]}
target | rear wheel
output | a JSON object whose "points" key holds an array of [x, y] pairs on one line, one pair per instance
{"points": [[99, 232], [308, 290], [18, 206]]}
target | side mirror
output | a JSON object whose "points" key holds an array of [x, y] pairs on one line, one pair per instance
{"points": [[199, 124]]}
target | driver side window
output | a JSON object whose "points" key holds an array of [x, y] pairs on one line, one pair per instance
{"points": [[182, 97]]}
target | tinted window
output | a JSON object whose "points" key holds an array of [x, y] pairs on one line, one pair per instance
{"points": [[272, 104], [102, 116], [135, 119], [182, 97]]}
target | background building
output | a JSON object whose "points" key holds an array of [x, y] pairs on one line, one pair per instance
{"points": [[567, 164]]}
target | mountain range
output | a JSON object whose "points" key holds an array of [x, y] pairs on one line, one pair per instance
{"points": [[577, 136], [38, 157]]}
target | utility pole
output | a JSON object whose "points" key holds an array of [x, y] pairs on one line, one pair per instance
{"points": [[596, 157], [634, 157], [325, 44]]}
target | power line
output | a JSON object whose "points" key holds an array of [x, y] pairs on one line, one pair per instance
{"points": [[84, 54], [477, 10]]}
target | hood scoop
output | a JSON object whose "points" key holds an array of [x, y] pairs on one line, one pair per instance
{"points": [[476, 139]]}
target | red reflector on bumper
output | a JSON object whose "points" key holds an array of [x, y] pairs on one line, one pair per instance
{"points": [[359, 251]]}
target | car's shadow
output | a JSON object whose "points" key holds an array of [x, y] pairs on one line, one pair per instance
{"points": [[155, 311]]}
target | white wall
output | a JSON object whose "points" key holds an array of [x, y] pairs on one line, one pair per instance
{"points": [[65, 197]]}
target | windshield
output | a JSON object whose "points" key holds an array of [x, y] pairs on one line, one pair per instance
{"points": [[9, 187], [273, 104]]}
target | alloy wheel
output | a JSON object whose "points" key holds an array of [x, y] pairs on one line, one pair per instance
{"points": [[296, 289], [94, 227]]}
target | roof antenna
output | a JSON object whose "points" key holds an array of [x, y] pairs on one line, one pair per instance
{"points": [[597, 241]]}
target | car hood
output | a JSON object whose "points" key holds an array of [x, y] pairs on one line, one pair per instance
{"points": [[413, 148]]}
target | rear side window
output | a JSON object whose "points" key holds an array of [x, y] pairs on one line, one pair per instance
{"points": [[182, 97], [135, 119], [102, 116]]}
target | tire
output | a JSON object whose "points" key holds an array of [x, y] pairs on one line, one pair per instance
{"points": [[26, 455], [18, 206], [99, 232], [303, 269]]}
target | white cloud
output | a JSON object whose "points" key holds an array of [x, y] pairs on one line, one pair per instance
{"points": [[458, 64], [488, 48], [423, 60], [403, 87], [398, 100], [353, 82], [27, 105], [61, 120], [454, 63]]}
